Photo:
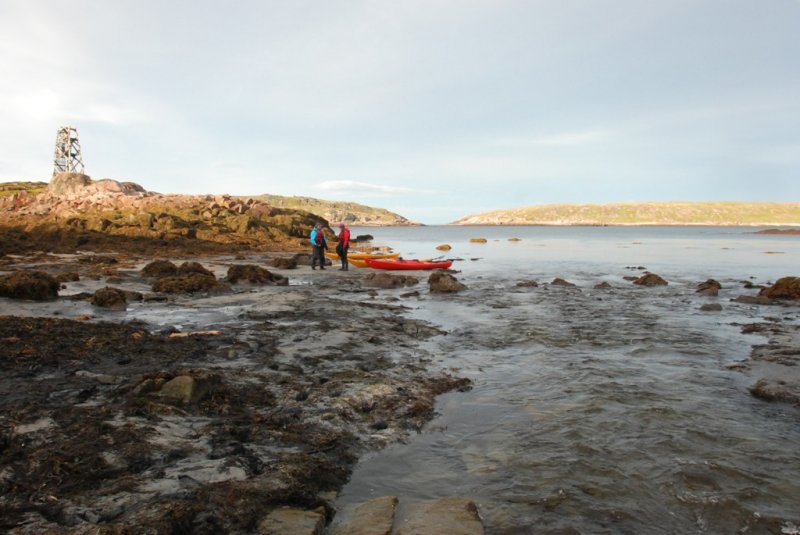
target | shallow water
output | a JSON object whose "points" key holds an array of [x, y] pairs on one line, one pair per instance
{"points": [[601, 411]]}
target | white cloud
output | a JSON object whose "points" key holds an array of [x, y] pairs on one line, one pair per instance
{"points": [[351, 187]]}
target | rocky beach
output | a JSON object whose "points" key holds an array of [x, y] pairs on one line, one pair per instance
{"points": [[171, 364]]}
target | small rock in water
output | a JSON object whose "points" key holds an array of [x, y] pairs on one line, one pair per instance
{"points": [[711, 307], [478, 240], [443, 247], [709, 287], [650, 279], [558, 281], [441, 282], [602, 286]]}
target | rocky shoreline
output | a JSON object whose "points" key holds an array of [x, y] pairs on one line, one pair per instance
{"points": [[198, 422]]}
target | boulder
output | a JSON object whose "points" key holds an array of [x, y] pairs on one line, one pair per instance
{"points": [[185, 284], [160, 268], [478, 240], [112, 298], [709, 287], [184, 389], [35, 285], [63, 184], [284, 263], [453, 516], [363, 238], [193, 267], [602, 286], [711, 307], [387, 280], [650, 279], [292, 521], [443, 282], [255, 275], [443, 247], [374, 517], [527, 284], [784, 288], [558, 281]]}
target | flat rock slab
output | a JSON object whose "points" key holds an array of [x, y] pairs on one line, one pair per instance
{"points": [[290, 521], [374, 517], [453, 516]]}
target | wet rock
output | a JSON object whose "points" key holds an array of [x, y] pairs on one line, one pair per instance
{"points": [[478, 240], [291, 521], [363, 238], [185, 284], [558, 281], [711, 307], [159, 269], [284, 263], [602, 286], [254, 275], [784, 288], [302, 259], [454, 516], [650, 279], [709, 287], [387, 280], [193, 267], [443, 247], [185, 389], [527, 284], [410, 294], [753, 300], [112, 298], [34, 285], [630, 277], [70, 276], [441, 282], [98, 260], [374, 517], [776, 390], [515, 239]]}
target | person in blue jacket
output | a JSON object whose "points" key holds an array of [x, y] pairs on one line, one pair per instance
{"points": [[318, 246]]}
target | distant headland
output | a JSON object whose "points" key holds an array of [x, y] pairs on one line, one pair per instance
{"points": [[726, 213]]}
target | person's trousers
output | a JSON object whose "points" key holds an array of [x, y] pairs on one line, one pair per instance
{"points": [[343, 256], [318, 255]]}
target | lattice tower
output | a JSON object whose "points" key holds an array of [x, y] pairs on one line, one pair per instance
{"points": [[67, 157]]}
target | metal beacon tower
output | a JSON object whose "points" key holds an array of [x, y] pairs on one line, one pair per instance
{"points": [[67, 157]]}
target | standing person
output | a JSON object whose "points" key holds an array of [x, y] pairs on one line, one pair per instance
{"points": [[318, 246], [343, 245]]}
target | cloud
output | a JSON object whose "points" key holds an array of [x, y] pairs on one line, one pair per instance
{"points": [[351, 187]]}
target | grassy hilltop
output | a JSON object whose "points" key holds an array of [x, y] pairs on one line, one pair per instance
{"points": [[644, 213], [337, 211]]}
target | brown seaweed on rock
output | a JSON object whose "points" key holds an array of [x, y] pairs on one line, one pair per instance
{"points": [[34, 285]]}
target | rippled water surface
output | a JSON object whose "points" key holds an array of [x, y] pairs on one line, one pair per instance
{"points": [[600, 411]]}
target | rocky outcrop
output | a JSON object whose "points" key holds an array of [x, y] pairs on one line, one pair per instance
{"points": [[34, 285], [75, 212], [442, 282], [784, 288]]}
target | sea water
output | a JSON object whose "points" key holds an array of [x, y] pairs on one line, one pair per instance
{"points": [[599, 411]]}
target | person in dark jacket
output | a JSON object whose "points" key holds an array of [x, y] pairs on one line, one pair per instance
{"points": [[318, 247], [343, 245]]}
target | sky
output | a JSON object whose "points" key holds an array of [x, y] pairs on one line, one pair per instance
{"points": [[433, 109]]}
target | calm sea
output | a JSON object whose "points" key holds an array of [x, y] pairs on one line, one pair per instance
{"points": [[612, 411]]}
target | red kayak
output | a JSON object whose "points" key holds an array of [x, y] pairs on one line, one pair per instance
{"points": [[407, 264]]}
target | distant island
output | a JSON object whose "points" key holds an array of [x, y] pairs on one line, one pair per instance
{"points": [[645, 213], [338, 211]]}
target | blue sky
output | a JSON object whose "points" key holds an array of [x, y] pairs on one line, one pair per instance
{"points": [[433, 109]]}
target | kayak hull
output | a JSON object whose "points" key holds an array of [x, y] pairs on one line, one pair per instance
{"points": [[409, 265]]}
